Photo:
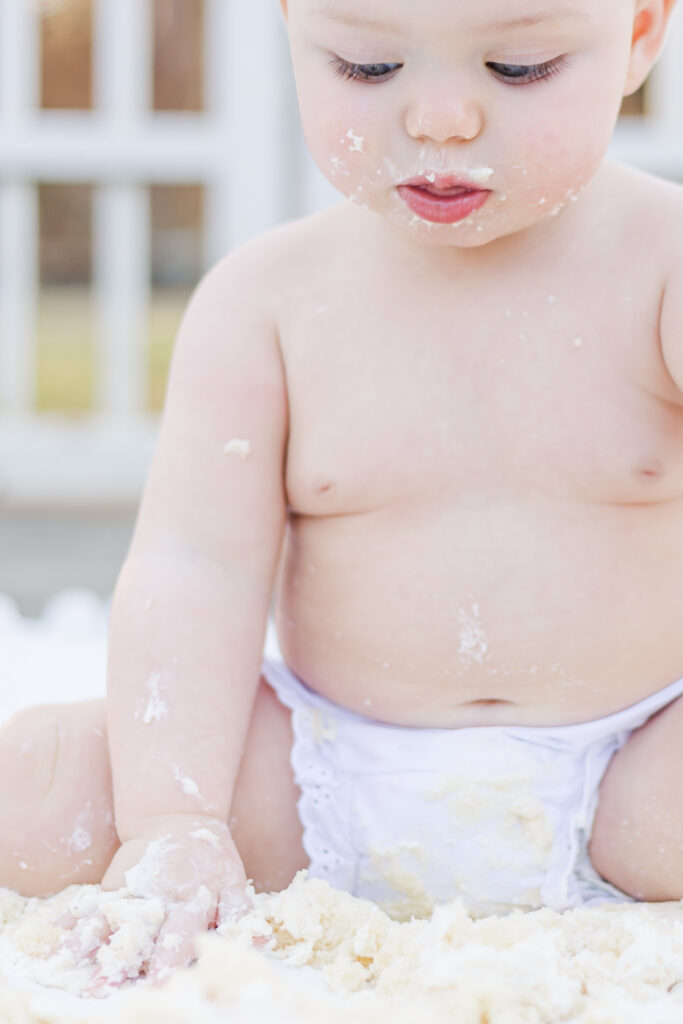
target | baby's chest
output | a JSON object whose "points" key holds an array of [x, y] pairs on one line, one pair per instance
{"points": [[402, 405]]}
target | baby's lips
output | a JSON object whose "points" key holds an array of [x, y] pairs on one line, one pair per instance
{"points": [[444, 183]]}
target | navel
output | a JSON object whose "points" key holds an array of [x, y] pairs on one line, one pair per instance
{"points": [[489, 701]]}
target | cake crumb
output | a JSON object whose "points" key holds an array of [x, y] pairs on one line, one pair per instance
{"points": [[238, 447]]}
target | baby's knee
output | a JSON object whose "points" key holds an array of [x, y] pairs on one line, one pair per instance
{"points": [[637, 832], [30, 744], [56, 815]]}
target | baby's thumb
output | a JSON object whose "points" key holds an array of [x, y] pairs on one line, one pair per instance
{"points": [[234, 903]]}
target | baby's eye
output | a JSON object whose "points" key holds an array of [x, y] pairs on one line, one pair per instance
{"points": [[522, 74], [362, 72]]}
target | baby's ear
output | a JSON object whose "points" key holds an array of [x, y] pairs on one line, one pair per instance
{"points": [[649, 28]]}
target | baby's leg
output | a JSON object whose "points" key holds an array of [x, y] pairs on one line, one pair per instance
{"points": [[264, 820], [56, 808], [56, 823], [637, 840]]}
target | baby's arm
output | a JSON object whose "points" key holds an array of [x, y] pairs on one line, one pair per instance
{"points": [[190, 607], [671, 320]]}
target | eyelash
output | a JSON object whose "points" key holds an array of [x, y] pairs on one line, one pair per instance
{"points": [[532, 72], [360, 72]]}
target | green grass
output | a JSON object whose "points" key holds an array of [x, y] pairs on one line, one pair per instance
{"points": [[65, 349]]}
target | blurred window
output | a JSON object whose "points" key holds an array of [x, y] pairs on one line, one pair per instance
{"points": [[178, 54], [65, 357], [177, 214], [66, 34], [65, 222], [635, 105]]}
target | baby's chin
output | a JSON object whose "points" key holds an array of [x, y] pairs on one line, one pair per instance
{"points": [[410, 228], [496, 223]]}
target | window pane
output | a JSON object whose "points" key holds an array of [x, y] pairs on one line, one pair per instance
{"points": [[635, 105], [177, 216], [66, 54], [178, 29], [64, 344]]}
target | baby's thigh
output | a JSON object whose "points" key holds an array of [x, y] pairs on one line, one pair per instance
{"points": [[637, 838], [56, 818], [263, 817]]}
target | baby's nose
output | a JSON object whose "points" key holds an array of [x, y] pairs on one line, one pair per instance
{"points": [[441, 115]]}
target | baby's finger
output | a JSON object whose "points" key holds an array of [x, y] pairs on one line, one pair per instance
{"points": [[66, 921], [112, 973], [86, 936], [233, 904], [102, 986], [135, 927], [176, 943]]}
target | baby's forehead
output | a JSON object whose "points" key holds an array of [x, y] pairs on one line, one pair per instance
{"points": [[500, 15]]}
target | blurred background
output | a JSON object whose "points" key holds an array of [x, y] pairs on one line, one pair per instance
{"points": [[140, 140]]}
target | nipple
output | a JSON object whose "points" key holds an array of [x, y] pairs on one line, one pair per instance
{"points": [[649, 470]]}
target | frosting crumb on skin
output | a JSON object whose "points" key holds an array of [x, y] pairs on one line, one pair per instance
{"points": [[357, 141], [79, 840], [238, 446], [480, 175], [473, 645], [339, 167], [157, 708], [188, 786], [207, 836]]}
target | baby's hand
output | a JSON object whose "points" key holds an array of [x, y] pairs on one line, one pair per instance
{"points": [[189, 868]]}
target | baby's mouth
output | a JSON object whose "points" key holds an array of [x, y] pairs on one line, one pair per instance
{"points": [[443, 185], [455, 190], [442, 199]]}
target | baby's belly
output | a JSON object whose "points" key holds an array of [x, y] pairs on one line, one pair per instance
{"points": [[495, 612]]}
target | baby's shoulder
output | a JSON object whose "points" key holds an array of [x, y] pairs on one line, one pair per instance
{"points": [[646, 213], [278, 265]]}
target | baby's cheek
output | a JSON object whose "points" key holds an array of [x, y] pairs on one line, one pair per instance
{"points": [[344, 155], [575, 142], [553, 165], [349, 158]]}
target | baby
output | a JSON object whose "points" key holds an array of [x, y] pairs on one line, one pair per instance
{"points": [[445, 420]]}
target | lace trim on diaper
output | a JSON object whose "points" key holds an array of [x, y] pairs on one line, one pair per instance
{"points": [[579, 884], [324, 801]]}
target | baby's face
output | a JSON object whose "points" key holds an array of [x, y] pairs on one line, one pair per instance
{"points": [[514, 113]]}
